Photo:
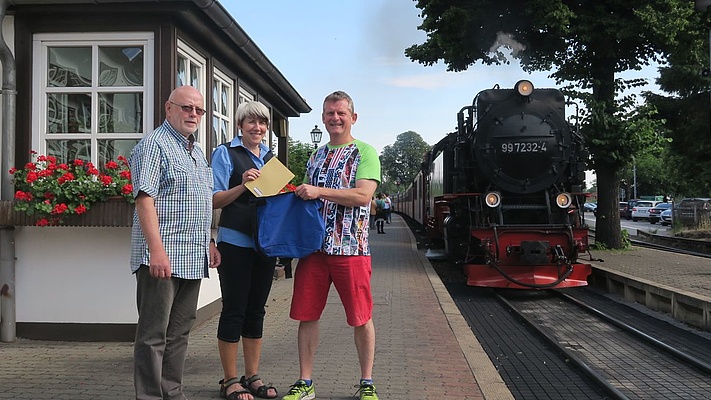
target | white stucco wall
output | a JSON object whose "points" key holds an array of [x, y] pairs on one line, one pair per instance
{"points": [[80, 275]]}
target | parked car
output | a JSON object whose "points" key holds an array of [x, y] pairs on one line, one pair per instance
{"points": [[666, 217], [590, 207], [641, 209], [692, 210], [630, 206], [623, 209], [654, 212]]}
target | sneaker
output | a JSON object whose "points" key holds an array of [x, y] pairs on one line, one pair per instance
{"points": [[301, 391], [367, 392]]}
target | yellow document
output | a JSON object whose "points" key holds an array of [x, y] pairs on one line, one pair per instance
{"points": [[272, 178]]}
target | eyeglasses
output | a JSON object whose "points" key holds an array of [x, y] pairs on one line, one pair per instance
{"points": [[188, 109]]}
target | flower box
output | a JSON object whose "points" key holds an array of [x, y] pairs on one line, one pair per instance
{"points": [[112, 212]]}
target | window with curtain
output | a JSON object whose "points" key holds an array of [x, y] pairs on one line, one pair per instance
{"points": [[191, 71], [223, 128], [91, 91]]}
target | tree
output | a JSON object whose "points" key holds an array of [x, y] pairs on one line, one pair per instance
{"points": [[686, 113], [298, 156], [402, 160], [585, 42]]}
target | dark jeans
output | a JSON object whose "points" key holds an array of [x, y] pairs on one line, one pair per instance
{"points": [[166, 312], [245, 281]]}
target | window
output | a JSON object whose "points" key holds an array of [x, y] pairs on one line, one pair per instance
{"points": [[91, 90], [245, 95], [223, 129], [191, 71]]}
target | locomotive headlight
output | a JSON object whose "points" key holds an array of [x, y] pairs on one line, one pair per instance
{"points": [[563, 200], [492, 199], [524, 88]]}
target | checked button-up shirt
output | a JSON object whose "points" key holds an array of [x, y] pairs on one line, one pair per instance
{"points": [[166, 166]]}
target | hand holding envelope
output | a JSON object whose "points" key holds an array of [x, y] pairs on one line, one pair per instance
{"points": [[272, 178]]}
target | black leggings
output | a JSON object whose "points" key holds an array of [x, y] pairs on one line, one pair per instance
{"points": [[245, 281]]}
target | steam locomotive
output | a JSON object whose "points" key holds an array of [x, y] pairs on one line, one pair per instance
{"points": [[502, 196]]}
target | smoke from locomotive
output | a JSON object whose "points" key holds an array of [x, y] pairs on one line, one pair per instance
{"points": [[503, 194]]}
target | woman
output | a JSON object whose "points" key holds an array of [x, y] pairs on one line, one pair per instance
{"points": [[245, 275]]}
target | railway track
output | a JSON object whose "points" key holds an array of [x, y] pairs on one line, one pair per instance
{"points": [[597, 359], [628, 362], [672, 245], [673, 248]]}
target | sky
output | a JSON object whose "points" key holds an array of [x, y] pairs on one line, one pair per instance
{"points": [[358, 46]]}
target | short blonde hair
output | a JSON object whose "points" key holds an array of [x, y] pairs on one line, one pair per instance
{"points": [[253, 109]]}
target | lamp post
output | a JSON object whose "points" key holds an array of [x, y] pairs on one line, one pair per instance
{"points": [[316, 136]]}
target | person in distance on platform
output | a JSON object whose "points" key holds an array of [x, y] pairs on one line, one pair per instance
{"points": [[380, 216], [388, 208], [373, 212], [245, 274], [344, 174], [170, 243]]}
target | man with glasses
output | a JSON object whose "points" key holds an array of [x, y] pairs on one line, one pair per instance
{"points": [[171, 244]]}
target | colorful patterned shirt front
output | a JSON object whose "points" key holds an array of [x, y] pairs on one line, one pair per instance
{"points": [[180, 182], [339, 167]]}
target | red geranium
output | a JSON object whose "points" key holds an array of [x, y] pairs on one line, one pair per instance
{"points": [[49, 190], [288, 188]]}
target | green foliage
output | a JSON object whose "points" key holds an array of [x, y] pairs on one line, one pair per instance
{"points": [[686, 112], [401, 161], [626, 242], [299, 154], [598, 246], [569, 38]]}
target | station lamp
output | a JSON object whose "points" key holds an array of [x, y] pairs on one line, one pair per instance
{"points": [[316, 136]]}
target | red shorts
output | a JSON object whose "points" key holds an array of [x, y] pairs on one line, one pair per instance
{"points": [[349, 274]]}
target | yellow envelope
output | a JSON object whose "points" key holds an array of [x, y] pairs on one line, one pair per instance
{"points": [[272, 178]]}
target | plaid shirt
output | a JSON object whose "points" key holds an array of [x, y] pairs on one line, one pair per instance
{"points": [[180, 182]]}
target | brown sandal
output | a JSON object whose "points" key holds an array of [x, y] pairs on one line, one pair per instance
{"points": [[234, 395], [262, 391]]}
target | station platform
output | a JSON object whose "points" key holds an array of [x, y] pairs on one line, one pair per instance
{"points": [[675, 284], [424, 348]]}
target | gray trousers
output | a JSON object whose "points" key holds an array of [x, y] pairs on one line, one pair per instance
{"points": [[166, 312]]}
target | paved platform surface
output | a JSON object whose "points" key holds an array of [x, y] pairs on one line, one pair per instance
{"points": [[424, 348], [685, 274]]}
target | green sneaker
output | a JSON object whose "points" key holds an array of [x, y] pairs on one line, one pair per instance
{"points": [[301, 391], [367, 392]]}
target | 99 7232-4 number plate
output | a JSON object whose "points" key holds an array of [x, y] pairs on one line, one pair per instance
{"points": [[523, 147]]}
